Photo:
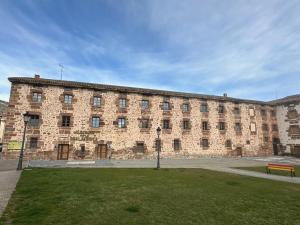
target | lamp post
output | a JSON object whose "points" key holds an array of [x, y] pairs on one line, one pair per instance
{"points": [[158, 130], [26, 118]]}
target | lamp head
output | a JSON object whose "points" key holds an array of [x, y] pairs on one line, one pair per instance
{"points": [[158, 130], [26, 117]]}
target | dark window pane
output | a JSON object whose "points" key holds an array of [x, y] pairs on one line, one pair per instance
{"points": [[205, 143], [66, 120], [176, 144], [36, 97], [121, 122], [204, 107], [68, 99], [33, 143], [221, 126], [145, 104], [221, 109], [34, 120], [140, 147], [186, 124], [166, 124], [145, 123], [97, 101], [204, 125], [96, 122], [166, 106], [122, 103], [185, 107]]}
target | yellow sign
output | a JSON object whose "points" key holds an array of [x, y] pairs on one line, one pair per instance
{"points": [[14, 145]]}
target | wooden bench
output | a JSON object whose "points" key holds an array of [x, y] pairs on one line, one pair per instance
{"points": [[284, 167]]}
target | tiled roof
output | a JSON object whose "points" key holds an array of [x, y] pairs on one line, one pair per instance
{"points": [[285, 100], [104, 87]]}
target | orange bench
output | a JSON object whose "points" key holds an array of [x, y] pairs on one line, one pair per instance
{"points": [[284, 167]]}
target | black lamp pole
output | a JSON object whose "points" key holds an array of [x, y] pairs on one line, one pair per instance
{"points": [[158, 130], [26, 118]]}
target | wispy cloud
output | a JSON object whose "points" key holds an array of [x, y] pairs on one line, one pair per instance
{"points": [[248, 49]]}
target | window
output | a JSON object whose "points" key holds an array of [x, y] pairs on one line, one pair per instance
{"points": [[185, 107], [221, 109], [33, 143], [186, 124], [221, 125], [166, 124], [145, 123], [205, 143], [273, 113], [36, 97], [121, 123], [140, 147], [228, 144], [266, 139], [96, 122], [263, 112], [236, 110], [34, 120], [82, 148], [145, 104], [166, 106], [238, 127], [205, 125], [204, 107], [97, 101], [176, 144], [251, 112], [252, 127], [68, 99], [274, 127], [265, 127], [122, 103], [66, 121]]}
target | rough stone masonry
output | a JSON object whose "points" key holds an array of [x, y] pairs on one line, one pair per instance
{"points": [[75, 120]]}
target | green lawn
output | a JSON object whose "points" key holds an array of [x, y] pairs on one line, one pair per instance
{"points": [[262, 169], [149, 196]]}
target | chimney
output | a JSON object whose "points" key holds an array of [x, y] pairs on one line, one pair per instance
{"points": [[225, 95], [36, 76]]}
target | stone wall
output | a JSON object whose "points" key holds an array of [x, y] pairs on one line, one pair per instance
{"points": [[122, 142]]}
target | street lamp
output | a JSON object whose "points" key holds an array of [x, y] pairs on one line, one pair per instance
{"points": [[26, 118], [158, 130]]}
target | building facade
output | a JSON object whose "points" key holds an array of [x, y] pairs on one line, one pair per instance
{"points": [[75, 120]]}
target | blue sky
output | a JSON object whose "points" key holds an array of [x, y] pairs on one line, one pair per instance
{"points": [[249, 49]]}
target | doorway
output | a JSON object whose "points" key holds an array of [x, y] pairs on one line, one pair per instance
{"points": [[275, 145], [101, 152], [63, 152]]}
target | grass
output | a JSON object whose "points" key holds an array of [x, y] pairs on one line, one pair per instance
{"points": [[262, 169], [149, 196]]}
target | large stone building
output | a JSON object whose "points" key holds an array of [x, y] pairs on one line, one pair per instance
{"points": [[75, 120]]}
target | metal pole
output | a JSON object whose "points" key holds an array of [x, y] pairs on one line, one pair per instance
{"points": [[22, 150], [158, 150]]}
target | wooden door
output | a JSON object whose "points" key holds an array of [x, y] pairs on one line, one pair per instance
{"points": [[239, 151], [275, 145], [63, 152], [101, 151]]}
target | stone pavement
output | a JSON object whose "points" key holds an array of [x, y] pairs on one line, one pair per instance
{"points": [[217, 164], [8, 180]]}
